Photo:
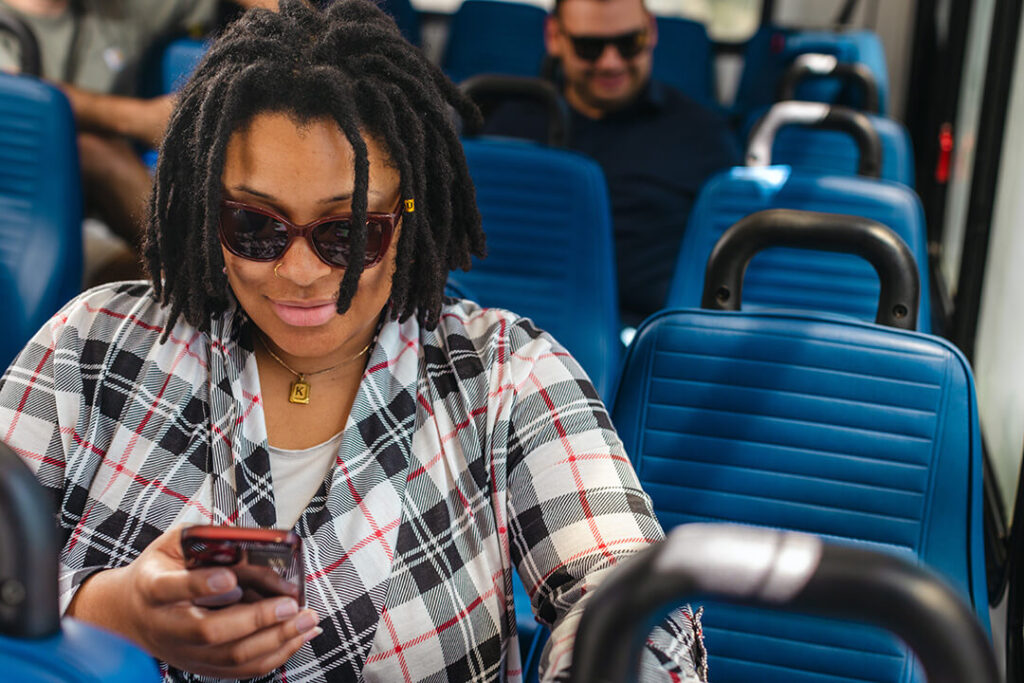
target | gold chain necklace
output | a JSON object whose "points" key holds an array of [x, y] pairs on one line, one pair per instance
{"points": [[299, 392]]}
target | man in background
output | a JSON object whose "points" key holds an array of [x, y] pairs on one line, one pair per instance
{"points": [[92, 50], [655, 145]]}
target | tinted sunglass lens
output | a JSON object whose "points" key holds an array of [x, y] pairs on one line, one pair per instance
{"points": [[629, 46], [589, 49], [334, 242], [253, 235]]}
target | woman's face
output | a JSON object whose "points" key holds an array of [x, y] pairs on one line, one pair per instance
{"points": [[305, 172]]}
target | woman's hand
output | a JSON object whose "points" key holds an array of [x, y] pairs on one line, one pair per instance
{"points": [[150, 601]]}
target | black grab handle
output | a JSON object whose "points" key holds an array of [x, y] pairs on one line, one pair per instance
{"points": [[488, 90], [31, 62], [880, 246], [810, 65], [783, 570], [28, 553], [822, 116]]}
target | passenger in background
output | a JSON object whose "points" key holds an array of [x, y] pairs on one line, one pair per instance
{"points": [[92, 49], [656, 146]]}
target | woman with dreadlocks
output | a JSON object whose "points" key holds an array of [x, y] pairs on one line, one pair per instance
{"points": [[294, 364]]}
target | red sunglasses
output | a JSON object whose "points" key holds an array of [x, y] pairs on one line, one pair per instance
{"points": [[259, 234]]}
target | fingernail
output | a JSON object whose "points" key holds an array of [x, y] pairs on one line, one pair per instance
{"points": [[305, 622], [312, 634], [219, 582], [286, 608]]}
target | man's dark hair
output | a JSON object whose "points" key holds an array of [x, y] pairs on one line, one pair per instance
{"points": [[348, 64], [557, 9]]}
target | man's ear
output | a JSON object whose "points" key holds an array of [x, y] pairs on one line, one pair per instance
{"points": [[552, 35], [652, 31]]}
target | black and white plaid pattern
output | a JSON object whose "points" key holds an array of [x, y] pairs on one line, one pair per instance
{"points": [[469, 448]]}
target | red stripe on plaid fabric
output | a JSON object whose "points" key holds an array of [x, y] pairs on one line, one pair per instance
{"points": [[386, 618], [430, 463], [596, 456], [501, 344], [123, 316], [367, 515], [134, 439], [440, 628], [422, 400], [352, 551], [582, 553], [473, 318], [553, 354], [45, 459], [136, 477], [571, 637], [409, 343], [577, 478], [28, 390], [254, 400], [220, 432], [422, 469]]}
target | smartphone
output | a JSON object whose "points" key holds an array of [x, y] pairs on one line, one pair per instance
{"points": [[267, 562]]}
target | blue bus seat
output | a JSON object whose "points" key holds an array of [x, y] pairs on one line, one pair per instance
{"points": [[684, 59], [178, 61], [829, 151], [550, 255], [825, 425], [772, 49], [40, 208], [797, 279], [406, 17], [492, 36], [79, 653]]}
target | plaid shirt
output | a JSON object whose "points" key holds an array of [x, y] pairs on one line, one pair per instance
{"points": [[469, 449]]}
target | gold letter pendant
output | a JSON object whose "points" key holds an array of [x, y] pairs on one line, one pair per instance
{"points": [[300, 391]]}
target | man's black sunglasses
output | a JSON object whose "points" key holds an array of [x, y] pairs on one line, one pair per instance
{"points": [[590, 48]]}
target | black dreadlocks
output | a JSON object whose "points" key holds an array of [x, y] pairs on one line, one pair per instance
{"points": [[349, 64]]}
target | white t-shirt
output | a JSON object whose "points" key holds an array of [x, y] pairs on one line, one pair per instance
{"points": [[297, 474]]}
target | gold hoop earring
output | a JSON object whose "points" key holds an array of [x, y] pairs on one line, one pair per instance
{"points": [[275, 269]]}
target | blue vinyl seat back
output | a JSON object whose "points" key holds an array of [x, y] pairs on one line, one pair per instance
{"points": [[550, 255], [797, 278], [829, 151], [406, 17], [178, 62], [820, 424], [684, 58], [772, 49], [492, 36], [80, 653], [40, 209]]}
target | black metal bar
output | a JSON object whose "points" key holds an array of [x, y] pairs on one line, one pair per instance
{"points": [[985, 181], [996, 535], [31, 62], [854, 74], [933, 99], [900, 284], [490, 90], [780, 570], [845, 15], [1015, 594]]}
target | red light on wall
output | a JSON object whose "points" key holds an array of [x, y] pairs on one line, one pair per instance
{"points": [[945, 154]]}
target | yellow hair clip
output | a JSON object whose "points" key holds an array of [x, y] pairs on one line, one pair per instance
{"points": [[410, 205]]}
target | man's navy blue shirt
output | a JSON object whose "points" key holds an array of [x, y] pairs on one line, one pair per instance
{"points": [[656, 153]]}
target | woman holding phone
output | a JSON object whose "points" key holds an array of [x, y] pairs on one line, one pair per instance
{"points": [[294, 364]]}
